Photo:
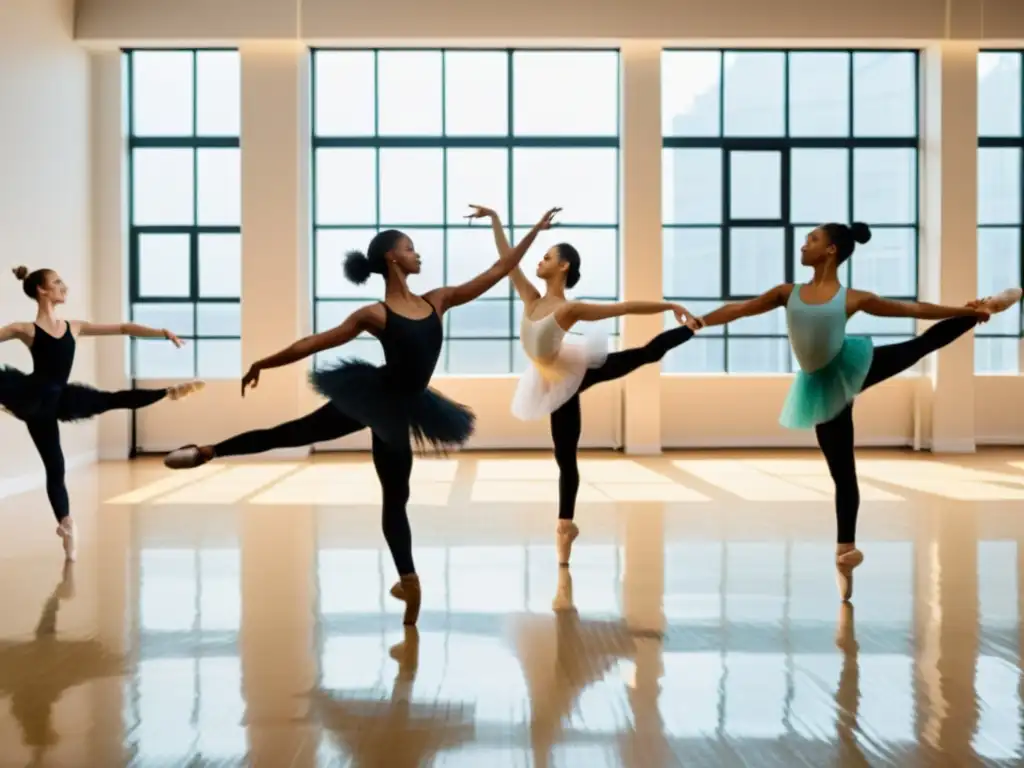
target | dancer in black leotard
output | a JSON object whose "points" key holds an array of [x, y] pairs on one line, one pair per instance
{"points": [[45, 398], [393, 400]]}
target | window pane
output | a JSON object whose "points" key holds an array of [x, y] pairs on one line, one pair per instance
{"points": [[584, 182], [998, 269], [886, 265], [477, 177], [819, 93], [219, 359], [999, 185], [885, 186], [755, 185], [219, 318], [476, 93], [161, 93], [701, 354], [863, 324], [411, 186], [691, 186], [758, 355], [219, 187], [331, 247], [176, 317], [478, 357], [813, 201], [565, 93], [481, 318], [996, 355], [409, 93], [343, 95], [755, 94], [599, 258], [690, 93], [162, 181], [758, 260], [158, 359], [884, 94], [331, 314], [999, 86], [164, 265], [220, 266], [769, 324], [346, 186], [692, 261], [471, 251], [218, 93]]}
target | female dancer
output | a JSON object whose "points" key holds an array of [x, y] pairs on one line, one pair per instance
{"points": [[559, 372], [835, 368], [45, 397], [392, 400]]}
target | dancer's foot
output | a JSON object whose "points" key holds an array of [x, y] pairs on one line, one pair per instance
{"points": [[846, 561], [66, 589], [1001, 302], [188, 457], [846, 638], [67, 532], [565, 536], [178, 391], [407, 654], [563, 597], [407, 589]]}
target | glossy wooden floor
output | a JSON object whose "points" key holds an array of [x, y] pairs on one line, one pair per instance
{"points": [[238, 614]]}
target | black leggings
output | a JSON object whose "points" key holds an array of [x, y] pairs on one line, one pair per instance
{"points": [[45, 433], [567, 421], [836, 436], [393, 465]]}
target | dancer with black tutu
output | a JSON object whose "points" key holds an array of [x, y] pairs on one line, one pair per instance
{"points": [[393, 400], [44, 398], [559, 371]]}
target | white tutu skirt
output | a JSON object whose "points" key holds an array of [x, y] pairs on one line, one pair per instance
{"points": [[546, 386]]}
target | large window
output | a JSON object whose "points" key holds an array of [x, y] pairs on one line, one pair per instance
{"points": [[759, 148], [407, 139], [185, 210], [1000, 204]]}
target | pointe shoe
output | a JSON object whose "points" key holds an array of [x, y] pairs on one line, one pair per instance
{"points": [[407, 589], [178, 391], [67, 532], [1002, 301], [563, 597], [186, 457], [845, 563], [564, 537], [846, 638]]}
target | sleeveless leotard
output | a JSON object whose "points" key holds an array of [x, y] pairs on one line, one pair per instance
{"points": [[833, 366]]}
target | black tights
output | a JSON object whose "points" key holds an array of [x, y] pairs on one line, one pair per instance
{"points": [[45, 433], [567, 421], [836, 436], [393, 465]]}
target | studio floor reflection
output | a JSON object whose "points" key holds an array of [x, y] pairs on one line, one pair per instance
{"points": [[238, 615]]}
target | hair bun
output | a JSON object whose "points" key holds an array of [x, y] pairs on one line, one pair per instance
{"points": [[20, 272], [357, 267], [861, 232]]}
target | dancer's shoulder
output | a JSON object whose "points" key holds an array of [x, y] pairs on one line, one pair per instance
{"points": [[23, 332]]}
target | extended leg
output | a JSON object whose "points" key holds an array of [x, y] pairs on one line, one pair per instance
{"points": [[566, 425], [892, 359], [621, 363], [45, 434], [394, 467], [77, 401], [836, 440]]}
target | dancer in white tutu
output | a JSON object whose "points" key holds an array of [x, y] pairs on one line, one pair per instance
{"points": [[560, 370]]}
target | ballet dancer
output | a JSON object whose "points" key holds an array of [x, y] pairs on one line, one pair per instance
{"points": [[558, 372], [835, 368], [44, 398], [393, 400]]}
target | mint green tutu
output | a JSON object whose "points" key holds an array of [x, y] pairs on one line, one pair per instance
{"points": [[821, 395]]}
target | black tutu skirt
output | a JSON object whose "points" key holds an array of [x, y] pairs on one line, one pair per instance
{"points": [[26, 398], [367, 394]]}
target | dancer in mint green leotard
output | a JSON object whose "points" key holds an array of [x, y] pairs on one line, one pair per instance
{"points": [[835, 367]]}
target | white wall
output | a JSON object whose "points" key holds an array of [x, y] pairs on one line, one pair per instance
{"points": [[44, 196]]}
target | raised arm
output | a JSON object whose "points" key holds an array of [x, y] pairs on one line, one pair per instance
{"points": [[456, 295], [573, 312], [766, 302], [126, 329], [369, 318], [872, 304], [17, 331]]}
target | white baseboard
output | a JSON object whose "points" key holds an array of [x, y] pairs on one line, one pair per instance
{"points": [[741, 443], [999, 440], [654, 449], [30, 481], [953, 445]]}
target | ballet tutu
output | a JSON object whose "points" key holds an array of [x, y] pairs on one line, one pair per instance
{"points": [[821, 395], [546, 386], [26, 398], [368, 394]]}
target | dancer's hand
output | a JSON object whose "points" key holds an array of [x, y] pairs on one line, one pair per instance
{"points": [[173, 339], [251, 379], [684, 317], [548, 219], [481, 212]]}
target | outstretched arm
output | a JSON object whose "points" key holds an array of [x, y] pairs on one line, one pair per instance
{"points": [[872, 304], [574, 311], [526, 290], [14, 331], [456, 295], [126, 329], [766, 302]]}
